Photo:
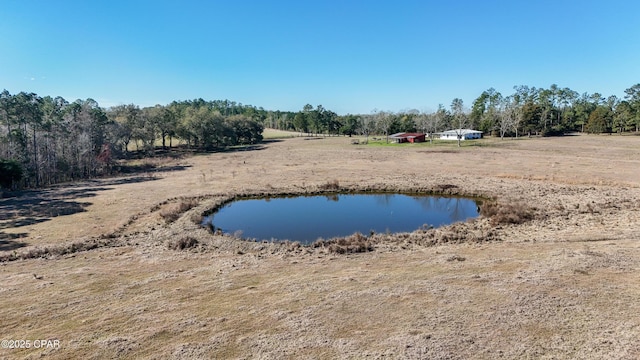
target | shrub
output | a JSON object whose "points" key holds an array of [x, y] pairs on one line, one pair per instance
{"points": [[173, 213], [197, 219], [356, 243], [183, 243], [331, 185], [501, 213]]}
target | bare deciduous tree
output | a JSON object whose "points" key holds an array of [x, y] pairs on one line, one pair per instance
{"points": [[437, 122], [383, 120], [367, 125], [460, 118], [506, 116]]}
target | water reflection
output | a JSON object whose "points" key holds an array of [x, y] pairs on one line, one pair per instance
{"points": [[457, 208], [307, 218]]}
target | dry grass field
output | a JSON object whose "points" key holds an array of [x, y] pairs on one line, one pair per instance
{"points": [[118, 268]]}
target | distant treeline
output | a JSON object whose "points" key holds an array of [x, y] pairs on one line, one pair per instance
{"points": [[45, 140], [529, 110]]}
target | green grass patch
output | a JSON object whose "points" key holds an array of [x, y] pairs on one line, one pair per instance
{"points": [[436, 143]]}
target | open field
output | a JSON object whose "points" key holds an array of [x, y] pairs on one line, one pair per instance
{"points": [[562, 285]]}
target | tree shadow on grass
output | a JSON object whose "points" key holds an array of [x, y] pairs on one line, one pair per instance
{"points": [[8, 242], [8, 245], [147, 168], [231, 149], [24, 208]]}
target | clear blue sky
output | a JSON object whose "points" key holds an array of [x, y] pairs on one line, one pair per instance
{"points": [[350, 56]]}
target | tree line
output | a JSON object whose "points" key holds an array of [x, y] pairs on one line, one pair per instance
{"points": [[555, 111], [529, 110], [47, 140]]}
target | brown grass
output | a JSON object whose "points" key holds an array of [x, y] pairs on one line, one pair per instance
{"points": [[332, 185], [174, 212], [186, 242], [456, 258], [562, 232], [502, 213], [59, 250], [356, 243]]}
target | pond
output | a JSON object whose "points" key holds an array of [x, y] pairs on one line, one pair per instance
{"points": [[307, 218]]}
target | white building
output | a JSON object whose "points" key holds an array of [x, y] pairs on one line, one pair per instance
{"points": [[462, 134]]}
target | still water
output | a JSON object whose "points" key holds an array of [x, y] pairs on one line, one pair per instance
{"points": [[307, 218]]}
